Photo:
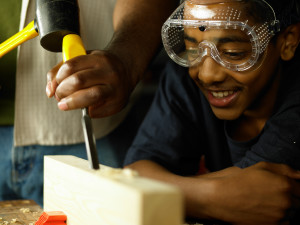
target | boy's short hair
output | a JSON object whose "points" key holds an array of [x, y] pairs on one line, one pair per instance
{"points": [[287, 11]]}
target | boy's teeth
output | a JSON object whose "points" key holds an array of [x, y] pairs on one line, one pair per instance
{"points": [[221, 94]]}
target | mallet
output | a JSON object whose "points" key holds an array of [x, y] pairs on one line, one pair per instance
{"points": [[57, 24]]}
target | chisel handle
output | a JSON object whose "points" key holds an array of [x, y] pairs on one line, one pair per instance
{"points": [[72, 47]]}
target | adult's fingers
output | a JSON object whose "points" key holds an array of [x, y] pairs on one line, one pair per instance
{"points": [[96, 95], [88, 78], [100, 103], [107, 109], [74, 65], [51, 80]]}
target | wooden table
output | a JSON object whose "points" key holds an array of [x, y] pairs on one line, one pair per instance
{"points": [[19, 212], [25, 212]]}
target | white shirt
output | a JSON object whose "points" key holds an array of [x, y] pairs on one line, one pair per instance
{"points": [[37, 118]]}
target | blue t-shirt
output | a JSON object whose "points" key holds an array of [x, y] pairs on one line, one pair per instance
{"points": [[180, 127]]}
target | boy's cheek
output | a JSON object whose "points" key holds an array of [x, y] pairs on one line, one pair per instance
{"points": [[193, 72]]}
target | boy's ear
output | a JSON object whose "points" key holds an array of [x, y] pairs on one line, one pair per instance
{"points": [[289, 41]]}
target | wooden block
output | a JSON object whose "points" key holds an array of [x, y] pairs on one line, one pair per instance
{"points": [[108, 196]]}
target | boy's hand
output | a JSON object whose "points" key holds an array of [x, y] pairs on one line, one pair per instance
{"points": [[262, 194], [265, 193]]}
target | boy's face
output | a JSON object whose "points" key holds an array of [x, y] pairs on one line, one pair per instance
{"points": [[232, 93]]}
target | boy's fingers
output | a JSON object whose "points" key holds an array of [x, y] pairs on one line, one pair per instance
{"points": [[281, 169], [296, 191]]}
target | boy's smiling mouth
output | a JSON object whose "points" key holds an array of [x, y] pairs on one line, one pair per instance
{"points": [[221, 94], [222, 98]]}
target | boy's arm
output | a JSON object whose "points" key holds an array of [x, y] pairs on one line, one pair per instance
{"points": [[260, 194]]}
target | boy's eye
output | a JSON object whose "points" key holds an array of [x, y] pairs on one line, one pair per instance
{"points": [[189, 53], [192, 51], [234, 55]]}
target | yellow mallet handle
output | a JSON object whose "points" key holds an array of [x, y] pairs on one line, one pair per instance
{"points": [[26, 34], [72, 47]]}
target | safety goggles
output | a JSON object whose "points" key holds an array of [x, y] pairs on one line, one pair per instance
{"points": [[234, 33]]}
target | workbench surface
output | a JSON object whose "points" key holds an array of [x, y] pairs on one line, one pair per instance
{"points": [[19, 212], [23, 212]]}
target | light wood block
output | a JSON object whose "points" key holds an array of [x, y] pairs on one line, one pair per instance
{"points": [[108, 196]]}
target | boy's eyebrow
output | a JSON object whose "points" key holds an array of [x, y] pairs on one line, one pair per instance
{"points": [[231, 38], [189, 38]]}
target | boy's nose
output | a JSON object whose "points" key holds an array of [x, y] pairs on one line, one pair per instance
{"points": [[209, 71]]}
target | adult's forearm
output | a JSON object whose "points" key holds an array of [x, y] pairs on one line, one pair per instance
{"points": [[137, 25]]}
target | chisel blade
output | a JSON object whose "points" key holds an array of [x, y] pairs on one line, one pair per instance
{"points": [[90, 141]]}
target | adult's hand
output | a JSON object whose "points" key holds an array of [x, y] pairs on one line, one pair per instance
{"points": [[98, 81], [104, 80]]}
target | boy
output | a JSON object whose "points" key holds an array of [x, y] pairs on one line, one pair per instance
{"points": [[239, 106]]}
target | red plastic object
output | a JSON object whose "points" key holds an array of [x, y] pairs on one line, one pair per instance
{"points": [[52, 218]]}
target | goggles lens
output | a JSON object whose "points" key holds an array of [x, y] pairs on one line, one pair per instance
{"points": [[223, 31]]}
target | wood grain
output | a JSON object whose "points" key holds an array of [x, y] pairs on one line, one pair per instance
{"points": [[107, 196]]}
